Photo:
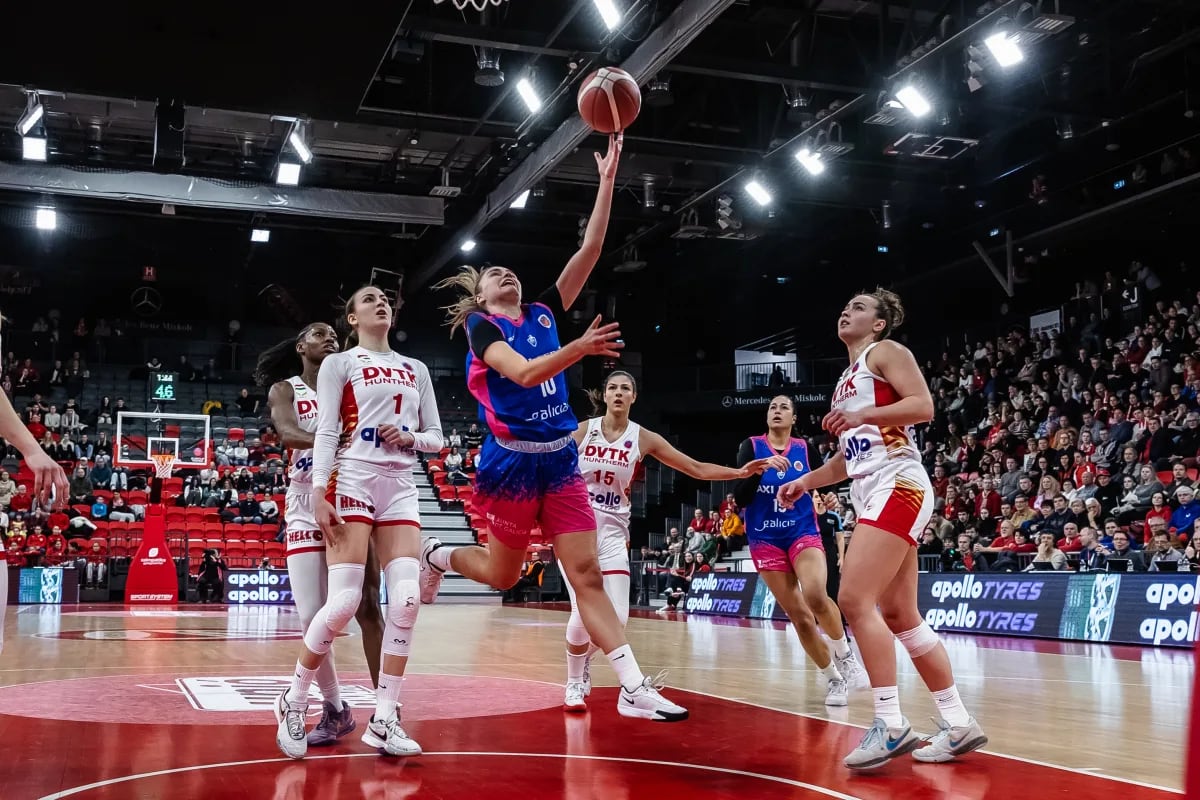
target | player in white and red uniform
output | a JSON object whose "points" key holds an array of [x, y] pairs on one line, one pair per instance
{"points": [[878, 399], [293, 407], [49, 482], [610, 448], [375, 410]]}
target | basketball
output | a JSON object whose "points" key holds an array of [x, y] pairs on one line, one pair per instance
{"points": [[609, 100]]}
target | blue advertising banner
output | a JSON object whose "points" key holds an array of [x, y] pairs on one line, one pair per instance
{"points": [[40, 585], [258, 587], [1159, 610]]}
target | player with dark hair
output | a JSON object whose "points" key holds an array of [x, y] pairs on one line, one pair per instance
{"points": [[375, 411], [610, 448], [785, 543], [290, 370], [878, 399]]}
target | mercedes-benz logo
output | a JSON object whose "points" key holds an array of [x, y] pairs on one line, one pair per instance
{"points": [[145, 301], [726, 402]]}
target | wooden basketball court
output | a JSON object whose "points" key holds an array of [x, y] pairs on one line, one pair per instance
{"points": [[107, 702]]}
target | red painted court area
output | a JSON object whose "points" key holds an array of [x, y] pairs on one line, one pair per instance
{"points": [[499, 738]]}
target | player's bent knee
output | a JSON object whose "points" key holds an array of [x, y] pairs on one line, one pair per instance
{"points": [[919, 641], [340, 608], [404, 603]]}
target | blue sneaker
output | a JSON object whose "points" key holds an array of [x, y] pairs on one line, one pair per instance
{"points": [[334, 725], [881, 744]]}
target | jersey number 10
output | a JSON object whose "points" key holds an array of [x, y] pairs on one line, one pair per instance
{"points": [[548, 388]]}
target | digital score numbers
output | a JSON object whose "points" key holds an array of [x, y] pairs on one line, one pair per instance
{"points": [[162, 386]]}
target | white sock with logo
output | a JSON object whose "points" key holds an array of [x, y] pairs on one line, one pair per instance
{"points": [[841, 647], [302, 678], [887, 706], [387, 696], [625, 665], [951, 706]]}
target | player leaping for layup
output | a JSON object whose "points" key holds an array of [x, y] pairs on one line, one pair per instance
{"points": [[289, 369], [375, 410], [610, 447], [528, 470]]}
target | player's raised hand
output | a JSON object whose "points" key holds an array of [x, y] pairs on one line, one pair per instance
{"points": [[602, 340], [607, 165]]}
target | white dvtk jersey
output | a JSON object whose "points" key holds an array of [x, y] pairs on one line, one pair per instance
{"points": [[300, 462], [358, 391], [868, 448], [608, 469]]}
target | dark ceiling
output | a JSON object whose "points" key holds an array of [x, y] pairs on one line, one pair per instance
{"points": [[390, 98]]}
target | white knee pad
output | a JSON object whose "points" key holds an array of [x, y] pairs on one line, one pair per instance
{"points": [[403, 604], [577, 634], [919, 640], [345, 593]]}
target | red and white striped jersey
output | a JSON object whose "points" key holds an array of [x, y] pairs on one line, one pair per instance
{"points": [[300, 462], [358, 391], [868, 448]]}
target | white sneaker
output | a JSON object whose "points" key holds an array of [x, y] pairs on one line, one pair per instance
{"points": [[574, 700], [388, 736], [836, 693], [852, 671], [645, 702], [290, 734], [431, 576]]}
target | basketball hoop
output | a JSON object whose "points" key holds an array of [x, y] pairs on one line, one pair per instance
{"points": [[163, 464], [478, 5]]}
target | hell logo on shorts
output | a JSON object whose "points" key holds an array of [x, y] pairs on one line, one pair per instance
{"points": [[349, 503], [300, 537]]}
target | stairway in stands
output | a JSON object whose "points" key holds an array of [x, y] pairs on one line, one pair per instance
{"points": [[451, 527]]}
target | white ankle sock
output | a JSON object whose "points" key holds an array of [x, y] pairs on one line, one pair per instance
{"points": [[440, 557], [841, 647], [887, 706], [626, 666], [951, 706], [576, 666], [387, 696], [327, 682], [302, 678], [830, 672]]}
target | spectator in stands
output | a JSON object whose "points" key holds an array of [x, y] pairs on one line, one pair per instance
{"points": [[455, 439], [247, 403], [1070, 542], [8, 488], [120, 511], [210, 586], [473, 437], [268, 509], [454, 463], [53, 419], [1121, 549], [81, 487], [729, 504], [99, 508], [733, 531], [1047, 552], [1183, 519], [21, 505], [1162, 549], [701, 522], [1093, 554], [101, 474], [245, 511]]}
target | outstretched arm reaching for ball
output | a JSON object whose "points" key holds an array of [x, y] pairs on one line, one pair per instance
{"points": [[652, 444], [488, 344], [575, 274]]}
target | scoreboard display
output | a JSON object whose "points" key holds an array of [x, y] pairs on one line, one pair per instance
{"points": [[162, 386]]}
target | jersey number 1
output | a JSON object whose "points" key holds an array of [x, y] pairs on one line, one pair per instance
{"points": [[399, 402]]}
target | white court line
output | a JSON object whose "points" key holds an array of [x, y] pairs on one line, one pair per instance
{"points": [[651, 762], [988, 752]]}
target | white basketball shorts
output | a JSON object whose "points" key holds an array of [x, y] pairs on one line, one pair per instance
{"points": [[898, 499], [301, 531], [362, 493]]}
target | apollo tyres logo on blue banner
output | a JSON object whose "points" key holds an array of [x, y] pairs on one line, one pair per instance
{"points": [[721, 594], [995, 604], [1171, 615]]}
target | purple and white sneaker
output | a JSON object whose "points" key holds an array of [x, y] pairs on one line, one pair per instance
{"points": [[334, 725]]}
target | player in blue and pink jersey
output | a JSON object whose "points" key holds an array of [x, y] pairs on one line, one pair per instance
{"points": [[528, 473], [785, 544]]}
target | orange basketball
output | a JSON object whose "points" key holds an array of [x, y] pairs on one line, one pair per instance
{"points": [[609, 100]]}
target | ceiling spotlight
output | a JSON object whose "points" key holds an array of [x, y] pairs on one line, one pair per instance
{"points": [[810, 161], [488, 72], [521, 200], [467, 246], [33, 148], [658, 92], [288, 174], [912, 99], [608, 13], [260, 235], [757, 191], [296, 140], [34, 112], [46, 219], [529, 95], [886, 215], [1006, 51]]}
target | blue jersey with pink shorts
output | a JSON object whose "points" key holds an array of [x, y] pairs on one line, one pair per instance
{"points": [[528, 473], [776, 534]]}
